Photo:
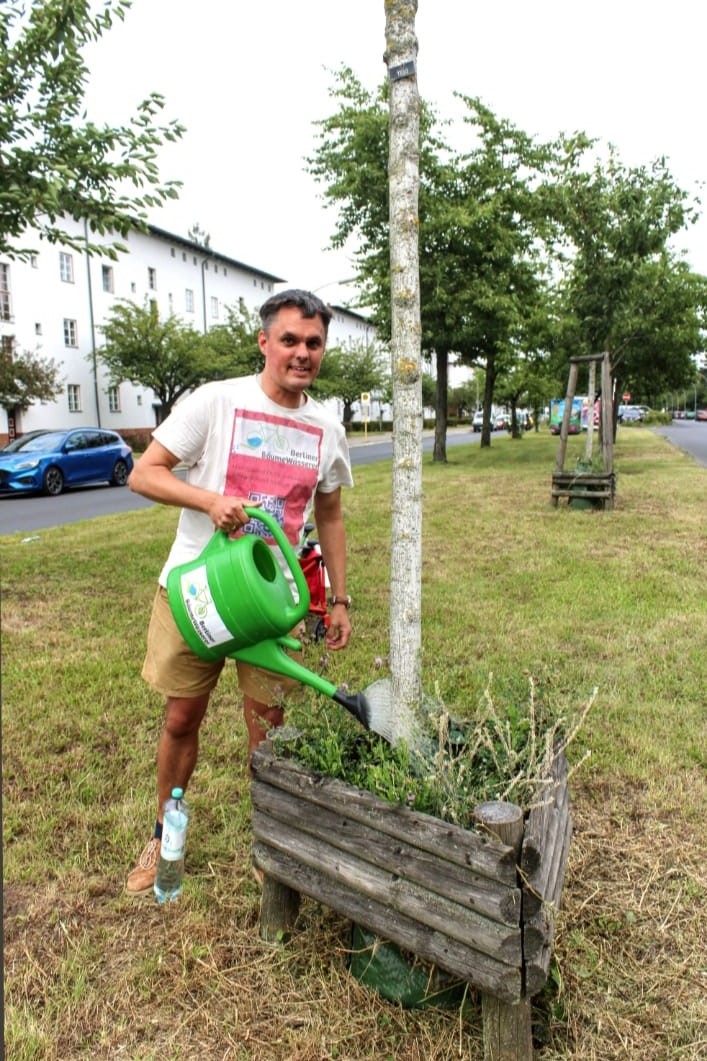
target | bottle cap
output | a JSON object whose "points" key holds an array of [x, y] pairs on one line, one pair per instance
{"points": [[177, 793]]}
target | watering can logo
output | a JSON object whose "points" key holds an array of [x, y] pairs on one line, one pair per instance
{"points": [[235, 593]]}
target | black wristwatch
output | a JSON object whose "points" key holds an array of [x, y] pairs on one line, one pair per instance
{"points": [[346, 601]]}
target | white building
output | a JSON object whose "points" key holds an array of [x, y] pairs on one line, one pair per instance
{"points": [[54, 304]]}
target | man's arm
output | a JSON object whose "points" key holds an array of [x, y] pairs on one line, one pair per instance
{"points": [[153, 476], [332, 539]]}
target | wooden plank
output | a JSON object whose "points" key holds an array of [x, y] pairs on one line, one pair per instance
{"points": [[501, 942], [391, 924], [565, 426], [478, 853], [537, 971], [507, 1030], [538, 956], [593, 494], [538, 886], [279, 906], [598, 478], [540, 818], [491, 899], [540, 822], [607, 415]]}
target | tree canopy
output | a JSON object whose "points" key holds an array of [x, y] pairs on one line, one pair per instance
{"points": [[55, 162], [347, 373], [530, 252], [26, 378], [479, 276], [171, 357]]}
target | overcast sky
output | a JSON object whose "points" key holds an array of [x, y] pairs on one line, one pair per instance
{"points": [[249, 81]]}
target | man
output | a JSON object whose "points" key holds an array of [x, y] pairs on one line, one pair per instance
{"points": [[259, 441]]}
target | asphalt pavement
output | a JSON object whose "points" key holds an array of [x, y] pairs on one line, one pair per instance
{"points": [[25, 514], [689, 436], [29, 513]]}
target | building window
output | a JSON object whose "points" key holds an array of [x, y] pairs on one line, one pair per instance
{"points": [[113, 400], [38, 328], [151, 278], [73, 394], [173, 252], [139, 399], [214, 308], [7, 345], [189, 300], [133, 288], [5, 300], [107, 277], [34, 261], [184, 256], [170, 303], [66, 267], [70, 333]]}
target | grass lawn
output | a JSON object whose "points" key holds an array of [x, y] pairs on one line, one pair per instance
{"points": [[513, 590]]}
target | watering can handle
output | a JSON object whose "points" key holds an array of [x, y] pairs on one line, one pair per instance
{"points": [[286, 549]]}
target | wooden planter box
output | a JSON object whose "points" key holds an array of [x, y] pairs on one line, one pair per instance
{"points": [[599, 488], [481, 909]]}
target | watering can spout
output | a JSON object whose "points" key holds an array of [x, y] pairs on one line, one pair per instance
{"points": [[372, 711]]}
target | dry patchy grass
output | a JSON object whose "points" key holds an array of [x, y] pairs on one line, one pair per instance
{"points": [[511, 585]]}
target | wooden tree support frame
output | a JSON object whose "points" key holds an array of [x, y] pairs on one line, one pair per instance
{"points": [[597, 487], [480, 904]]}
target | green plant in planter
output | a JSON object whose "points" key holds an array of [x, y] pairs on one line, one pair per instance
{"points": [[589, 464], [504, 753]]}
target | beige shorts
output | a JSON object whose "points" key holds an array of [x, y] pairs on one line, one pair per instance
{"points": [[174, 670]]}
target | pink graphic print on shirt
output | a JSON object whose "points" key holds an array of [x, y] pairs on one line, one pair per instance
{"points": [[274, 460]]}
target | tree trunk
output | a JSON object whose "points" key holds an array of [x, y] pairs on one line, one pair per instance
{"points": [[617, 390], [406, 358], [488, 403], [440, 447]]}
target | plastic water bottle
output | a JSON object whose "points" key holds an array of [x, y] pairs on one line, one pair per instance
{"points": [[170, 868]]}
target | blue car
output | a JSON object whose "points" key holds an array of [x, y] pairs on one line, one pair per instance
{"points": [[50, 461]]}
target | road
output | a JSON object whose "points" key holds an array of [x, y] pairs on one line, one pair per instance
{"points": [[688, 435], [26, 515]]}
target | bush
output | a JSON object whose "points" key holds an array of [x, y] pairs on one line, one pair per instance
{"points": [[654, 418]]}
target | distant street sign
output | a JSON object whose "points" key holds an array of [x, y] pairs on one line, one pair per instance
{"points": [[627, 397]]}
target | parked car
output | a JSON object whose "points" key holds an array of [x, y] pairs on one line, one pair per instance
{"points": [[630, 414], [48, 462], [502, 422], [16, 443], [477, 420], [701, 414]]}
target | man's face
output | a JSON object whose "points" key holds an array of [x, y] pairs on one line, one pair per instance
{"points": [[293, 349]]}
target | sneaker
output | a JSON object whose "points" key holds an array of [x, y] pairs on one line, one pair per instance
{"points": [[141, 880]]}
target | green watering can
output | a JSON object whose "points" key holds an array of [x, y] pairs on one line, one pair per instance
{"points": [[235, 601], [235, 593]]}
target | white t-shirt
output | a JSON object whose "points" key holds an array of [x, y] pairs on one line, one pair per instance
{"points": [[236, 441]]}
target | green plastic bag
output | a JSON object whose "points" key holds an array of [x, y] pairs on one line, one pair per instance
{"points": [[400, 978]]}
